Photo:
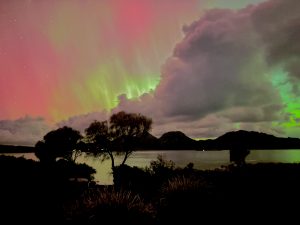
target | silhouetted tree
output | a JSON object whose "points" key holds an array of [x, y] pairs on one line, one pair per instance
{"points": [[117, 135], [238, 155], [58, 143]]}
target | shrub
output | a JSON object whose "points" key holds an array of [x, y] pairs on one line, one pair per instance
{"points": [[161, 166], [161, 170], [132, 178], [183, 184], [183, 198]]}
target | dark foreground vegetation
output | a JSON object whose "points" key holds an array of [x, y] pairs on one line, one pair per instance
{"points": [[57, 190], [159, 194], [33, 192]]}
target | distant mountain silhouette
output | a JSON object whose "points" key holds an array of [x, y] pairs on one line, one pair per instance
{"points": [[249, 140], [147, 141], [177, 140], [15, 149], [173, 140]]}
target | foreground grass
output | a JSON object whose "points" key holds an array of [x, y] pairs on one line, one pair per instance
{"points": [[107, 205]]}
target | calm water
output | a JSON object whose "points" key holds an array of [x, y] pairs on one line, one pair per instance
{"points": [[201, 159]]}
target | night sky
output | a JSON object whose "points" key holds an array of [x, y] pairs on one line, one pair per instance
{"points": [[204, 67]]}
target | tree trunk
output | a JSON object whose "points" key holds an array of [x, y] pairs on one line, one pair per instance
{"points": [[112, 160], [127, 153]]}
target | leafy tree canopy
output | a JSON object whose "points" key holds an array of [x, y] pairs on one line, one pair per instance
{"points": [[117, 134], [58, 143]]}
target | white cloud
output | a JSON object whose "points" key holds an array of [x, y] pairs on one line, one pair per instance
{"points": [[24, 131]]}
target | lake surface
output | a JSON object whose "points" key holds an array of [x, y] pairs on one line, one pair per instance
{"points": [[201, 159]]}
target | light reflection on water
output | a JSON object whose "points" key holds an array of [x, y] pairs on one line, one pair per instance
{"points": [[201, 159]]}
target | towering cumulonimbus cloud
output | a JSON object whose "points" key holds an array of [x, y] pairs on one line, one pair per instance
{"points": [[208, 70]]}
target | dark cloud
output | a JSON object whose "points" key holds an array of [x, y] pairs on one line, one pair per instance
{"points": [[24, 131], [278, 24], [267, 113]]}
